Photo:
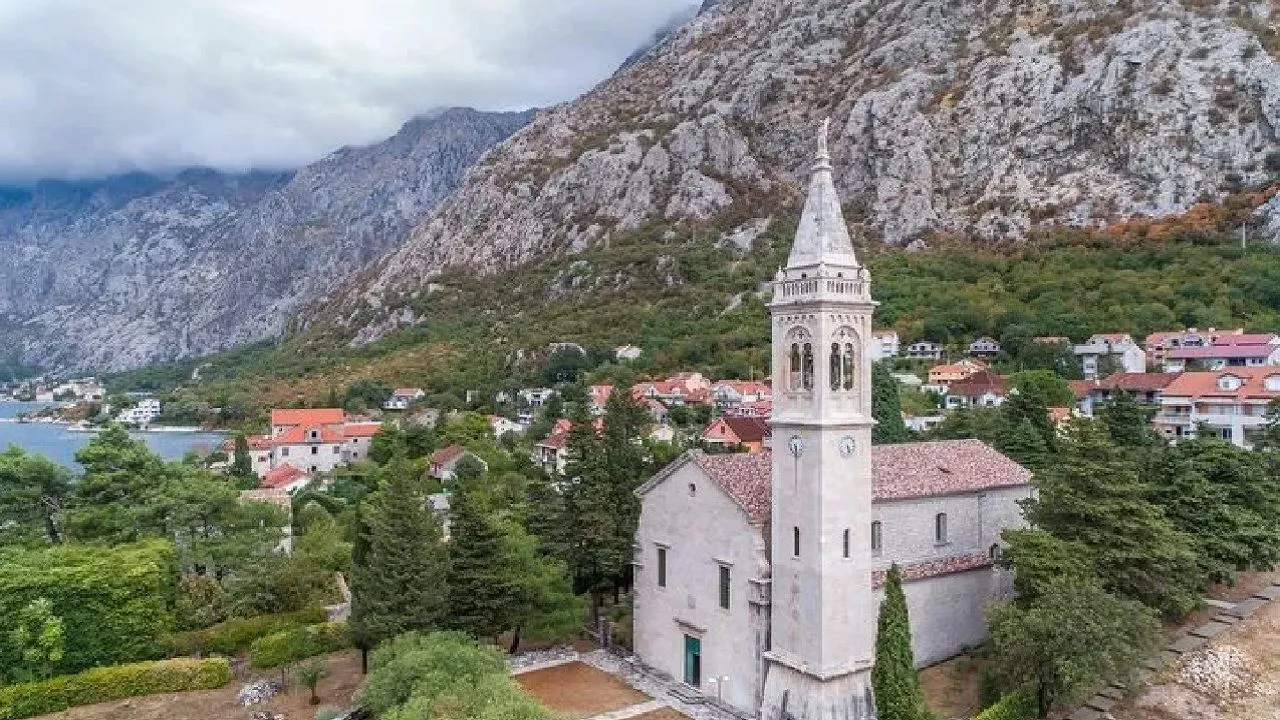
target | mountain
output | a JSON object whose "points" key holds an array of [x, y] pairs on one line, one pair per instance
{"points": [[949, 117], [137, 269], [668, 29]]}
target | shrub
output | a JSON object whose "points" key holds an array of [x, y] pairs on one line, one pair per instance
{"points": [[1010, 707], [295, 644], [113, 602], [112, 683], [237, 634]]}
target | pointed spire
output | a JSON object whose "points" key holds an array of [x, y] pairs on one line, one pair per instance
{"points": [[823, 236]]}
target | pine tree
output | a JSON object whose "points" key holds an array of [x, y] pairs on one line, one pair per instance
{"points": [[626, 468], [481, 591], [886, 408], [589, 516], [399, 562], [241, 466], [893, 678]]}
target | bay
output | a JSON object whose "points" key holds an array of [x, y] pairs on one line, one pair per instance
{"points": [[60, 444]]}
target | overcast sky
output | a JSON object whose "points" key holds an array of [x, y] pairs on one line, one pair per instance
{"points": [[91, 87]]}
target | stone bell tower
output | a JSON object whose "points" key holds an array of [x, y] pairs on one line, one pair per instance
{"points": [[823, 614]]}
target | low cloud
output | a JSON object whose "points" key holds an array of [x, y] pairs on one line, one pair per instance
{"points": [[89, 88]]}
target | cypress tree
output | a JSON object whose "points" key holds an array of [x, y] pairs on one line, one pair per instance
{"points": [[893, 678], [481, 592], [886, 408], [241, 465], [399, 562]]}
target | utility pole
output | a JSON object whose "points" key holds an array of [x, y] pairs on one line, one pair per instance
{"points": [[1244, 236]]}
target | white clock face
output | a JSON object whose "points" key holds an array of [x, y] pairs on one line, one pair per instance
{"points": [[847, 446], [796, 444]]}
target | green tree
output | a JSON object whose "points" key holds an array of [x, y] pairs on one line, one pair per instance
{"points": [[1092, 495], [241, 465], [1072, 637], [542, 601], [309, 674], [39, 636], [1046, 386], [1039, 559], [398, 578], [33, 491], [467, 429], [893, 677], [118, 498], [481, 590], [389, 443], [627, 465], [589, 520], [1128, 423], [886, 407]]}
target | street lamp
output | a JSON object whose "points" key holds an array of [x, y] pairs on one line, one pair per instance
{"points": [[719, 683]]}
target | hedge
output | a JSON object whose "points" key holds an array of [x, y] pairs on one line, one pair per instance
{"points": [[232, 636], [113, 602], [112, 683], [289, 646], [1017, 706]]}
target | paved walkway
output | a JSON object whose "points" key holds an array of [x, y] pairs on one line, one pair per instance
{"points": [[633, 711]]}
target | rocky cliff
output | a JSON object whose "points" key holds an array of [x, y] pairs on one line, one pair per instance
{"points": [[983, 117], [138, 269]]}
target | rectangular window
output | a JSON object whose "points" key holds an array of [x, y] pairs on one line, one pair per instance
{"points": [[662, 567], [284, 452], [724, 586], [315, 450], [876, 539], [795, 542], [336, 450], [940, 529]]}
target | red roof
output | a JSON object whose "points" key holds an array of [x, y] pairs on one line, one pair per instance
{"points": [[1223, 351], [1134, 381], [899, 472], [406, 392], [448, 455], [759, 408], [1205, 384], [979, 384], [740, 429], [1235, 339], [259, 442], [301, 435], [282, 476], [1059, 414], [600, 393], [304, 416], [936, 568], [355, 430]]}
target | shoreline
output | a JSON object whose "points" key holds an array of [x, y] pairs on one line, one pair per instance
{"points": [[96, 428]]}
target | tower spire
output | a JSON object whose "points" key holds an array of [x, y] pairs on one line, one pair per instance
{"points": [[822, 236]]}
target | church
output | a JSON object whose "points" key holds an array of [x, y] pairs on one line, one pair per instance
{"points": [[758, 577]]}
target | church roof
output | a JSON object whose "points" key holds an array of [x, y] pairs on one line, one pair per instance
{"points": [[899, 472], [822, 235]]}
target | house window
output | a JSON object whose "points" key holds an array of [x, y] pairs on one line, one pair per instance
{"points": [[846, 542], [940, 529], [662, 567], [877, 539], [284, 452], [795, 541], [724, 586], [337, 450], [315, 450]]}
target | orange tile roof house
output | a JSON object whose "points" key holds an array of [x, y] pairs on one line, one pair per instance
{"points": [[946, 374], [981, 389], [444, 462], [1142, 387], [1226, 351], [1231, 403], [312, 440], [751, 433]]}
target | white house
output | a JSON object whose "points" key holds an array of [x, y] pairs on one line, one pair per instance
{"points": [[627, 352], [402, 398], [504, 426], [1123, 352], [1231, 403], [1226, 351], [884, 344], [924, 350], [764, 571], [145, 412]]}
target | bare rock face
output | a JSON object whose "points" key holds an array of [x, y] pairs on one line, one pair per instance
{"points": [[984, 117], [138, 269]]}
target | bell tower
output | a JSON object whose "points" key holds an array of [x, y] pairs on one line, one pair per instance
{"points": [[823, 614]]}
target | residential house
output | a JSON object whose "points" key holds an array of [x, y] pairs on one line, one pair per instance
{"points": [[315, 443], [627, 352], [599, 396], [1116, 349], [444, 462], [359, 438], [727, 393], [984, 347], [145, 412], [922, 423], [529, 400], [1226, 351], [402, 398], [924, 350], [944, 375], [758, 409], [981, 389], [884, 344], [551, 453], [1158, 345], [505, 426], [661, 416], [680, 389], [287, 478], [1051, 340], [1231, 403], [1143, 387], [750, 433]]}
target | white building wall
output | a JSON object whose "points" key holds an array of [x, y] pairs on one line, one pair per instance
{"points": [[701, 531], [327, 456]]}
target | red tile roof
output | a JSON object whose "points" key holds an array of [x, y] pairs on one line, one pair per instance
{"points": [[324, 416], [1234, 339], [447, 455], [406, 392], [600, 393], [744, 429], [1205, 384], [979, 384], [936, 568], [1081, 388], [1133, 381], [1059, 414], [1222, 351], [899, 472], [301, 435], [282, 476], [259, 442], [355, 430]]}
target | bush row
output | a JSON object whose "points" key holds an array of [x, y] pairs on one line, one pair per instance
{"points": [[296, 644], [1017, 706], [232, 636], [112, 683]]}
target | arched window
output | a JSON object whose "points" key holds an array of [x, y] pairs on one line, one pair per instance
{"points": [[794, 369], [846, 543], [877, 539], [849, 367], [806, 372], [795, 541], [835, 366], [940, 529]]}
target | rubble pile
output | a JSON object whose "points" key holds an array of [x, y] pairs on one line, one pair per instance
{"points": [[1222, 672], [257, 692]]}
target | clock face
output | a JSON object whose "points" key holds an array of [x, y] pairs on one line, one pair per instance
{"points": [[796, 444], [847, 446]]}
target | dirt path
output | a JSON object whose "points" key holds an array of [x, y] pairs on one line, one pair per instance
{"points": [[1235, 677]]}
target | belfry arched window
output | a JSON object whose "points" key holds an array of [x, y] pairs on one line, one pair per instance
{"points": [[806, 372], [849, 366], [836, 366], [793, 371]]}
